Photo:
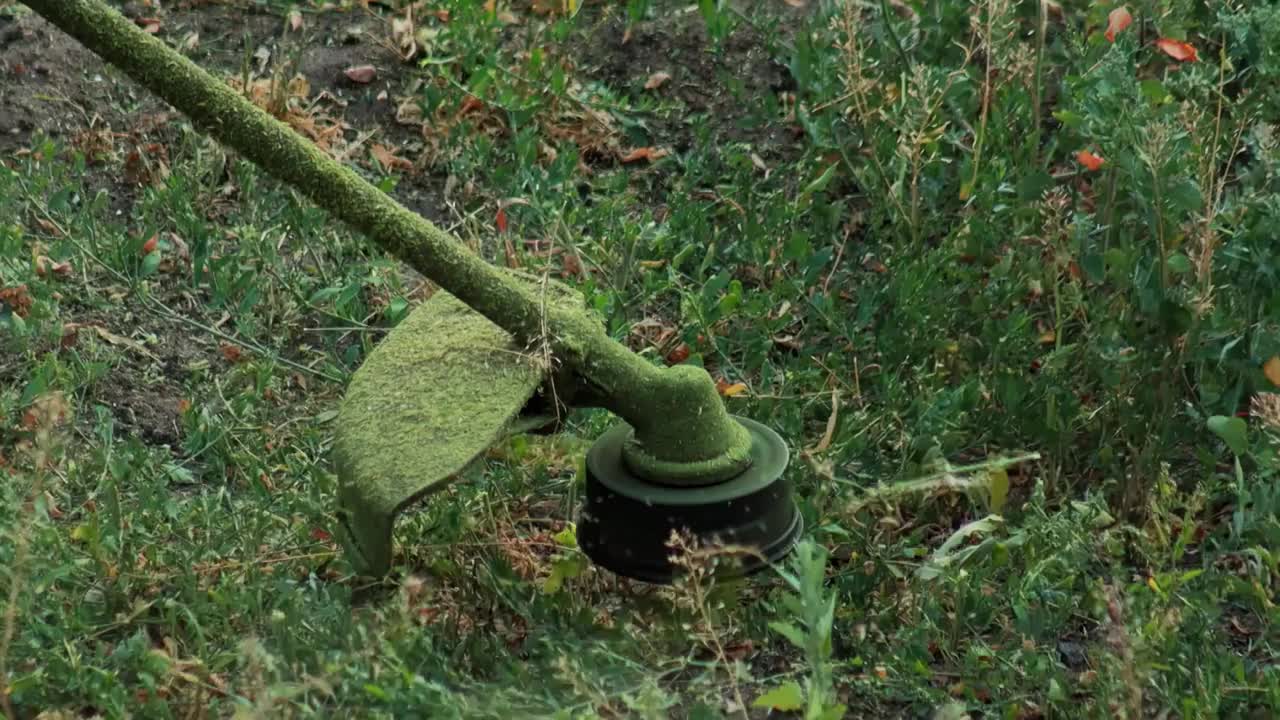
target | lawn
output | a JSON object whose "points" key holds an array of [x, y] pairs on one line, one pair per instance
{"points": [[1005, 275]]}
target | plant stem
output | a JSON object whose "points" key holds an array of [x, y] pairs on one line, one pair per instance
{"points": [[1037, 109], [887, 14], [1162, 249], [982, 120]]}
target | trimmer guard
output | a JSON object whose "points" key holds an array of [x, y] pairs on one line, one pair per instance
{"points": [[443, 386]]}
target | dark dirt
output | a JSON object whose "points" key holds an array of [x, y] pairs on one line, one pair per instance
{"points": [[144, 388], [724, 89], [149, 412], [50, 83]]}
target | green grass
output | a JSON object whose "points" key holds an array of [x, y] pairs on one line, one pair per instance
{"points": [[877, 223]]}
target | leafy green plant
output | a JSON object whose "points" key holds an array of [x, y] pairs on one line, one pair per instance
{"points": [[808, 624]]}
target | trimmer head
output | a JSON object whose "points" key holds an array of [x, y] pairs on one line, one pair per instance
{"points": [[627, 521]]}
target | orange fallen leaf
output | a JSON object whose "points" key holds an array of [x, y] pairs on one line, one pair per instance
{"points": [[645, 153], [1272, 370], [49, 227], [231, 352], [1117, 21], [150, 245], [363, 74], [875, 266], [149, 25], [571, 266], [1178, 50], [1090, 160], [656, 80], [387, 158], [46, 265], [501, 220], [730, 390]]}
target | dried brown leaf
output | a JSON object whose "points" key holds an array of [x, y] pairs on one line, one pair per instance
{"points": [[656, 80], [827, 436], [363, 74], [387, 158]]}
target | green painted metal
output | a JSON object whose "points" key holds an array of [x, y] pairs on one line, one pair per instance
{"points": [[440, 389]]}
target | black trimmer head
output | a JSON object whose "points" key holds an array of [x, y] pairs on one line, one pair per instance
{"points": [[627, 522]]}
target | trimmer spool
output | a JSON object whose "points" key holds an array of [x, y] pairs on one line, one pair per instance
{"points": [[627, 521]]}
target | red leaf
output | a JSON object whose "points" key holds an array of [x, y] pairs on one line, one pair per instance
{"points": [[1091, 161], [231, 352], [645, 153], [501, 220], [17, 299], [1178, 50], [70, 334], [1117, 21], [362, 74], [678, 354], [320, 535], [148, 24], [149, 246], [570, 265]]}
